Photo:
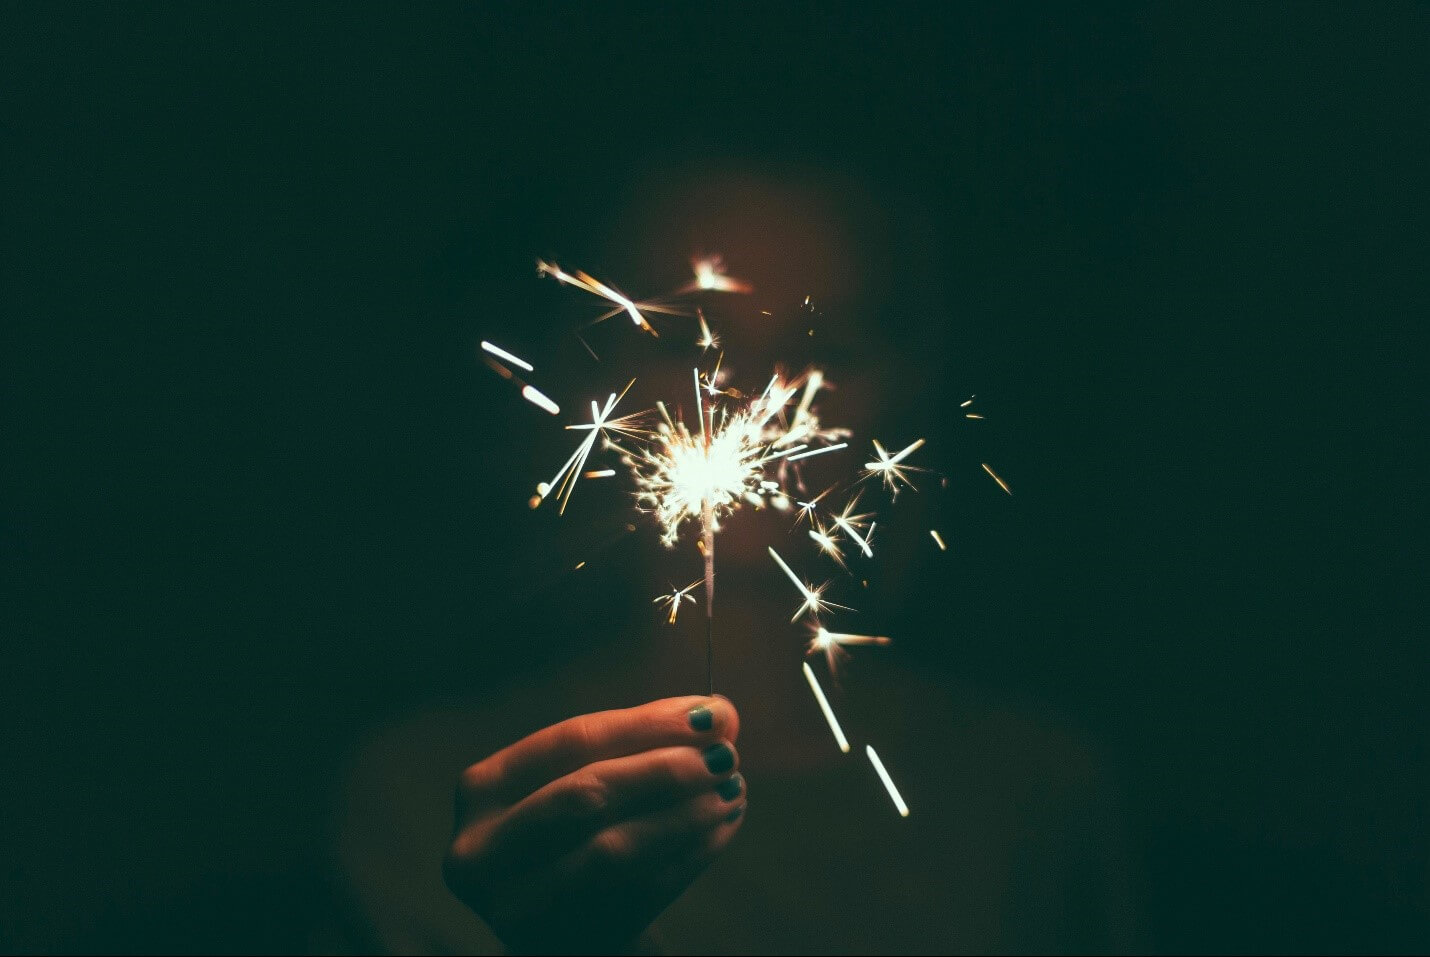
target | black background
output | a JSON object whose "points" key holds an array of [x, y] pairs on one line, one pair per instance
{"points": [[1179, 252]]}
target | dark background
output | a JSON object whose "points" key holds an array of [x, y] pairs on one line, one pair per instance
{"points": [[250, 510]]}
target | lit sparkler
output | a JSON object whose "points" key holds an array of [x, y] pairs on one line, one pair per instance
{"points": [[697, 467]]}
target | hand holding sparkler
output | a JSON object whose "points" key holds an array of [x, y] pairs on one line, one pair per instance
{"points": [[576, 837]]}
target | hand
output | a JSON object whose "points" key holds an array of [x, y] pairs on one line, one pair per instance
{"points": [[577, 836]]}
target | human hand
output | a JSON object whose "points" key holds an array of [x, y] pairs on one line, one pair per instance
{"points": [[577, 836]]}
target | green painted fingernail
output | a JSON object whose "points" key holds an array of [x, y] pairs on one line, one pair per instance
{"points": [[719, 758], [702, 718], [734, 815], [730, 788]]}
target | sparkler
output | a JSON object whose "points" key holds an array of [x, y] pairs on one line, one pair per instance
{"points": [[728, 449]]}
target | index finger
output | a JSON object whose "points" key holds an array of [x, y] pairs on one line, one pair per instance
{"points": [[520, 769]]}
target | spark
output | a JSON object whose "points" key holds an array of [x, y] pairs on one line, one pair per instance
{"points": [[827, 543], [839, 737], [594, 286], [707, 338], [967, 402], [564, 482], [888, 781], [889, 467], [599, 473], [683, 471], [851, 525], [938, 539], [712, 378], [1001, 484], [675, 596], [814, 602], [832, 643], [813, 452], [501, 353], [535, 396], [972, 415], [806, 509]]}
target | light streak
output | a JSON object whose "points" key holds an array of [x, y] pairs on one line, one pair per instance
{"points": [[833, 643], [501, 353], [938, 539], [599, 473], [537, 398], [1001, 484], [888, 781], [839, 737], [813, 452]]}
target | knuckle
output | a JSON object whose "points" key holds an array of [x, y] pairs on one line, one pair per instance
{"points": [[581, 736], [611, 846], [586, 795]]}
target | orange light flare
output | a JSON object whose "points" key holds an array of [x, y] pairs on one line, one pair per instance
{"points": [[710, 275]]}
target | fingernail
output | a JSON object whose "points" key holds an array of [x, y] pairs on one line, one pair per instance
{"points": [[734, 815], [719, 758], [730, 788], [702, 718]]}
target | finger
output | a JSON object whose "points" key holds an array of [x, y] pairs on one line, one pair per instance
{"points": [[514, 772], [687, 833], [572, 809]]}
